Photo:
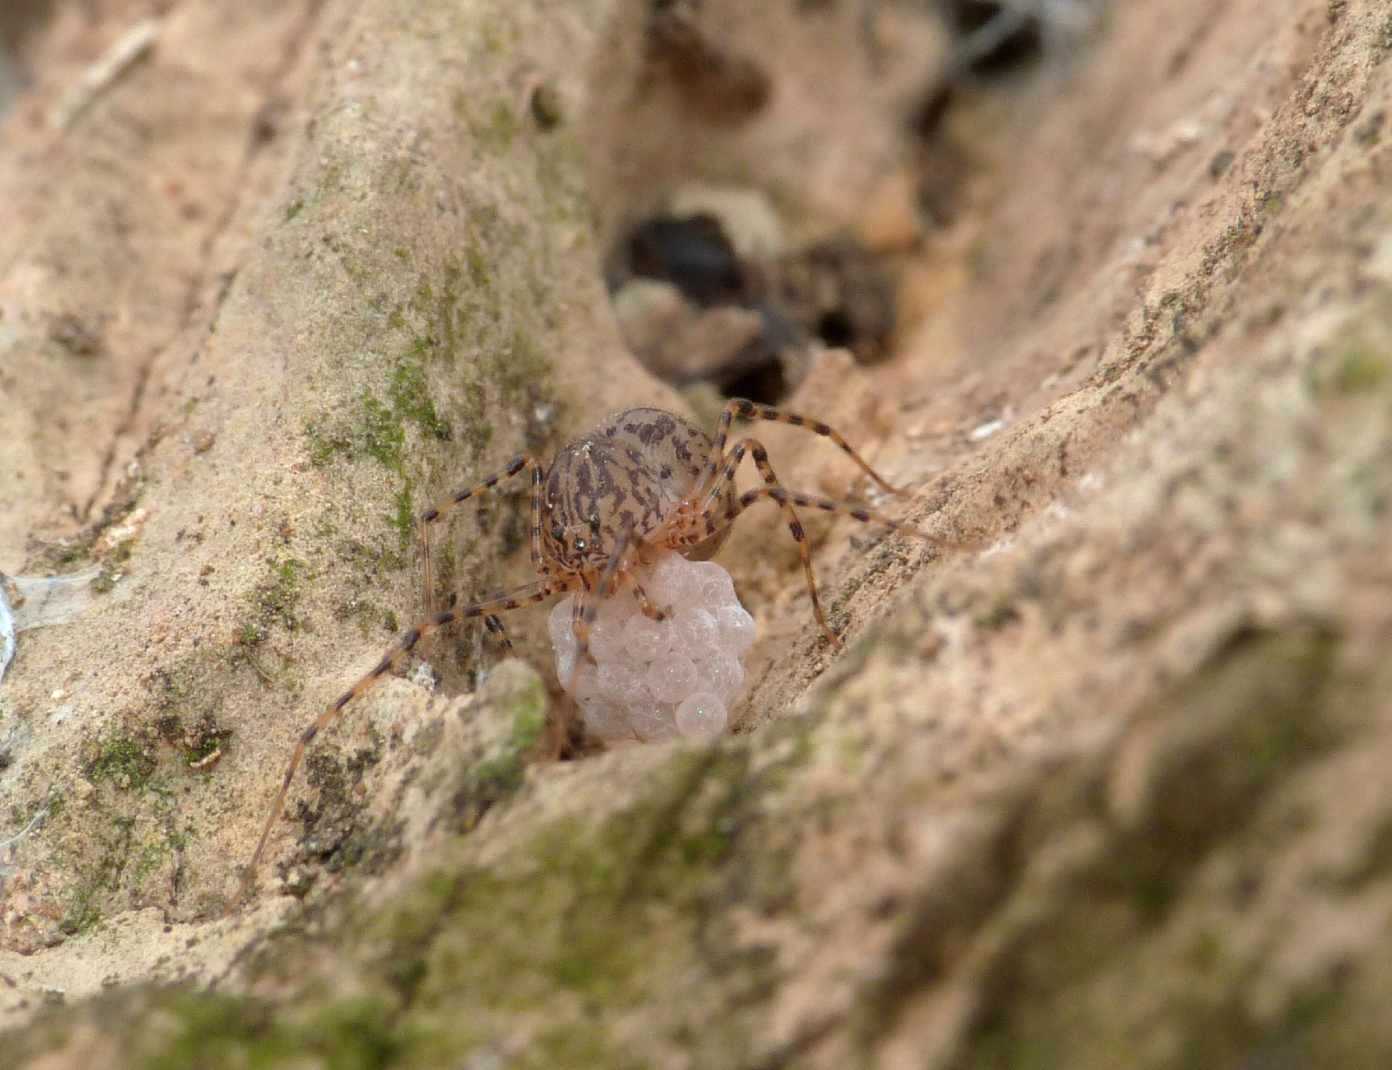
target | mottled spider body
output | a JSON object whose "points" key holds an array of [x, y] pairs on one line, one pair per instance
{"points": [[643, 482], [631, 474]]}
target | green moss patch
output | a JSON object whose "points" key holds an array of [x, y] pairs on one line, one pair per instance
{"points": [[501, 773], [380, 434], [1260, 709], [1353, 371], [575, 927], [99, 871], [216, 1032], [582, 913], [126, 761], [273, 602], [410, 399]]}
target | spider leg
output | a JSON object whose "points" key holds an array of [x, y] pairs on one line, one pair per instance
{"points": [[749, 410], [500, 603], [430, 516], [785, 505], [491, 622], [715, 523], [514, 466], [704, 525]]}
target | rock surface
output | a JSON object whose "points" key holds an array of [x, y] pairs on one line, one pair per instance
{"points": [[1101, 781]]}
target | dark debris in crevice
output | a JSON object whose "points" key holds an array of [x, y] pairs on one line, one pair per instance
{"points": [[693, 253], [995, 39], [747, 327]]}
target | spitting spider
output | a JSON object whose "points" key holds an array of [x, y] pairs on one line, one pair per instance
{"points": [[643, 482]]}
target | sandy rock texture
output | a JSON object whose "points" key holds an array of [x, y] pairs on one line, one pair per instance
{"points": [[1099, 780]]}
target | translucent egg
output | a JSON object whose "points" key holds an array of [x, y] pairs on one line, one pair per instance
{"points": [[712, 583], [697, 630], [558, 627], [701, 716], [725, 676], [670, 579], [673, 678], [735, 623], [565, 663], [651, 680], [618, 681], [643, 639], [651, 724], [606, 721], [607, 639]]}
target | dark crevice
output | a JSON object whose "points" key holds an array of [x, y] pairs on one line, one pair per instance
{"points": [[766, 384], [835, 292], [995, 39], [692, 253], [835, 328]]}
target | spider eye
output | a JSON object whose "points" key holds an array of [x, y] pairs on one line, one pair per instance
{"points": [[594, 523], [558, 532], [580, 545]]}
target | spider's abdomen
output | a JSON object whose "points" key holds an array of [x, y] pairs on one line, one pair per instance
{"points": [[631, 471]]}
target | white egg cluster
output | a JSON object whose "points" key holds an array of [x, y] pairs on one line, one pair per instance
{"points": [[652, 679]]}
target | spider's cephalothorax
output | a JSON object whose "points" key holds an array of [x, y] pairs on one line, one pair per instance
{"points": [[642, 482], [626, 479]]}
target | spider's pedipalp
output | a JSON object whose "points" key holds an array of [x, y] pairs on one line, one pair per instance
{"points": [[608, 583], [644, 602]]}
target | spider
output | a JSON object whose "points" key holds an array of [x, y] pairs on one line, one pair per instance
{"points": [[644, 481]]}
